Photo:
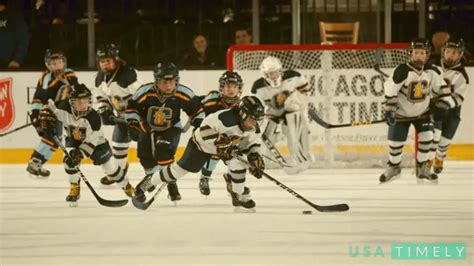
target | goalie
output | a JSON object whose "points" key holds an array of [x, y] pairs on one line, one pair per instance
{"points": [[284, 93]]}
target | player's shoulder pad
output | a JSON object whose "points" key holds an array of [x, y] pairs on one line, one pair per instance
{"points": [[44, 79], [401, 73], [463, 72], [144, 89], [94, 120], [259, 83], [287, 74], [212, 96], [433, 68], [185, 91], [228, 118], [99, 78], [126, 76]]}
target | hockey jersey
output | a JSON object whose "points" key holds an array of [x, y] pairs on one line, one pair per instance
{"points": [[291, 80], [51, 87], [213, 102], [457, 81], [159, 114], [114, 90], [413, 88], [225, 122], [84, 132]]}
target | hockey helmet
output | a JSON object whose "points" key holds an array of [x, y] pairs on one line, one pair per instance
{"points": [[419, 43], [230, 77], [454, 43], [250, 107], [51, 60], [80, 99], [166, 72], [108, 50], [271, 69]]}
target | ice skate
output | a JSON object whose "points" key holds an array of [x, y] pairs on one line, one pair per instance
{"points": [[106, 180], [35, 168], [204, 186], [423, 174], [129, 190], [74, 194], [391, 173], [438, 165], [243, 202], [173, 192], [143, 186]]}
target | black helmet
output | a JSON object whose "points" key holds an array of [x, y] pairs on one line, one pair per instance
{"points": [[53, 54], [230, 77], [108, 50], [250, 107], [456, 43], [419, 43], [165, 71], [79, 92]]}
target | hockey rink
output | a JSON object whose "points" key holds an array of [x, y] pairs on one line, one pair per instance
{"points": [[37, 226]]}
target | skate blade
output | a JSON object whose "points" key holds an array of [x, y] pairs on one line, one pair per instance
{"points": [[38, 177], [426, 182], [244, 210], [73, 204], [391, 179]]}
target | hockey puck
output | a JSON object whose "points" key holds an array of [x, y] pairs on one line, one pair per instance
{"points": [[307, 212]]}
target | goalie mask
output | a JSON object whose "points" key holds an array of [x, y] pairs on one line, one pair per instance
{"points": [[250, 112], [419, 51], [452, 52], [230, 87], [271, 69], [55, 61], [80, 99], [166, 79], [107, 57]]}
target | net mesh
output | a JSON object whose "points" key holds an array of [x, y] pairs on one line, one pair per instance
{"points": [[346, 88]]}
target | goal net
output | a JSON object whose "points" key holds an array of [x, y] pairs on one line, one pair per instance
{"points": [[346, 88]]}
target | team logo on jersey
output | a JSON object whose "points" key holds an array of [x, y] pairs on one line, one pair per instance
{"points": [[160, 118], [7, 107], [76, 133], [417, 91]]}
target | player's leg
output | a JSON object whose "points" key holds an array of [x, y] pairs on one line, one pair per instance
{"points": [[424, 128], [240, 195], [74, 180], [103, 157], [397, 135], [120, 143], [298, 140], [43, 153], [450, 126], [206, 173]]}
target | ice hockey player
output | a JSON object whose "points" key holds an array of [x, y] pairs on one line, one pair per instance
{"points": [[457, 80], [230, 89], [284, 93], [84, 138], [154, 113], [116, 83], [53, 84], [407, 95], [220, 133]]}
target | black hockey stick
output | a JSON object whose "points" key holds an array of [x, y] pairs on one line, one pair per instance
{"points": [[314, 116], [378, 60], [321, 208], [102, 201], [144, 205], [15, 130]]}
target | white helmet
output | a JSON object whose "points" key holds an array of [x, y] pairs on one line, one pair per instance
{"points": [[271, 69]]}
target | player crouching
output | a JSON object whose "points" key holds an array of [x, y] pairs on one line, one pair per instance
{"points": [[83, 139], [221, 133]]}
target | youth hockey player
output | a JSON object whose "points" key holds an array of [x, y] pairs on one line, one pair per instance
{"points": [[116, 83], [154, 112], [457, 81], [230, 89], [407, 95], [84, 138], [220, 133], [284, 94], [53, 84]]}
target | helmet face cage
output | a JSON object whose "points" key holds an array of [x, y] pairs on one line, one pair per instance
{"points": [[50, 61], [420, 43], [452, 43], [165, 71], [230, 77], [78, 93], [272, 72]]}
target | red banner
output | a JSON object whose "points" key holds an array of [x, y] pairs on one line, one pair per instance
{"points": [[7, 108]]}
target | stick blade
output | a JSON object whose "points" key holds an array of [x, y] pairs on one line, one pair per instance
{"points": [[142, 205], [332, 208], [113, 203]]}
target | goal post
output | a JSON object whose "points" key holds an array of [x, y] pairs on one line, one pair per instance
{"points": [[347, 82]]}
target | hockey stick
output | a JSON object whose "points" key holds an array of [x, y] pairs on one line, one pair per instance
{"points": [[378, 60], [186, 126], [321, 208], [16, 129], [275, 161], [314, 116], [144, 205], [102, 201]]}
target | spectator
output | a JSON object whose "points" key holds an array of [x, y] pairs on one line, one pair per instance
{"points": [[243, 35], [438, 39], [13, 36], [200, 57]]}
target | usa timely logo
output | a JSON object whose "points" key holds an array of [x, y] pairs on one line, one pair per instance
{"points": [[7, 108]]}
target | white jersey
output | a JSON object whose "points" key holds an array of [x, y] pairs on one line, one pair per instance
{"points": [[291, 81], [115, 89], [413, 89], [83, 133], [457, 81], [225, 122]]}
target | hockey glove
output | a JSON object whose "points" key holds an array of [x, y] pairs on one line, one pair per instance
{"points": [[278, 100], [224, 147], [257, 164], [34, 117], [440, 110], [47, 121], [390, 117], [135, 128], [74, 159], [106, 115]]}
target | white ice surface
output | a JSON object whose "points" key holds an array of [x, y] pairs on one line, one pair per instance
{"points": [[38, 228]]}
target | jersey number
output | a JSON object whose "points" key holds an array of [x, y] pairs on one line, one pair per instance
{"points": [[417, 91], [160, 118]]}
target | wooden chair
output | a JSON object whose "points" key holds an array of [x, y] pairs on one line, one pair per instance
{"points": [[339, 32]]}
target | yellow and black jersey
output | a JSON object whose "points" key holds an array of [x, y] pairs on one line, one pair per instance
{"points": [[213, 102]]}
